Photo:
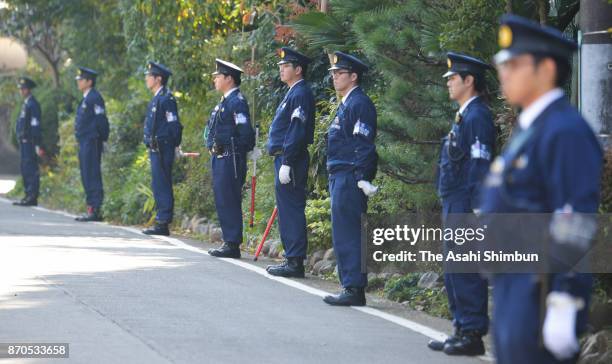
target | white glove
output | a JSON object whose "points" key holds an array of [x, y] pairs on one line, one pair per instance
{"points": [[254, 155], [284, 174], [367, 188], [559, 330], [178, 153], [38, 151]]}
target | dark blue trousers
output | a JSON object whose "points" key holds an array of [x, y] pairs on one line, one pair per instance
{"points": [[161, 181], [467, 292], [29, 169], [348, 203], [90, 162], [291, 202], [517, 320], [227, 188]]}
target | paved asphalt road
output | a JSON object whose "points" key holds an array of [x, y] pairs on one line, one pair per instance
{"points": [[118, 296]]}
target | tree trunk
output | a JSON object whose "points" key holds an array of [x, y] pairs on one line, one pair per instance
{"points": [[51, 62], [56, 74], [595, 54], [543, 11], [324, 6]]}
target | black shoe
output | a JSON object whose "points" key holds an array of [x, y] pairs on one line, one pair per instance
{"points": [[437, 345], [93, 214], [159, 229], [469, 343], [348, 297], [283, 264], [27, 201], [291, 267], [225, 251]]}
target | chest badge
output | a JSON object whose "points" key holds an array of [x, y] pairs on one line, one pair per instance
{"points": [[458, 118], [336, 123]]}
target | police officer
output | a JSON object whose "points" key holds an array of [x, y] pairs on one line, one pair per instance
{"points": [[552, 165], [291, 132], [163, 133], [29, 138], [465, 157], [351, 164], [91, 129], [229, 137]]}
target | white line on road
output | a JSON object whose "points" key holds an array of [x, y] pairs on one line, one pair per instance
{"points": [[409, 324]]}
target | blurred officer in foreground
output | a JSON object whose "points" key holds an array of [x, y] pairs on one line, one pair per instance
{"points": [[229, 137], [290, 133], [552, 165], [465, 157], [163, 133], [351, 163], [29, 138], [91, 129]]}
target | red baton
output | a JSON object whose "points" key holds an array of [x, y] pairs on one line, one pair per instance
{"points": [[265, 235], [191, 154]]}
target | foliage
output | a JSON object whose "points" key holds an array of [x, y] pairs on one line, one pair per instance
{"points": [[38, 25], [61, 187], [403, 41], [603, 282], [318, 216], [187, 35], [406, 289], [50, 100], [405, 81]]}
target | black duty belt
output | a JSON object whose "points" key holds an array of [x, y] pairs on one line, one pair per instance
{"points": [[221, 151]]}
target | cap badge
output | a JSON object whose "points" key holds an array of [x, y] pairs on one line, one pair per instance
{"points": [[505, 36]]}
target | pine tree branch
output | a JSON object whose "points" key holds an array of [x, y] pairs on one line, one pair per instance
{"points": [[405, 179], [563, 20]]}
